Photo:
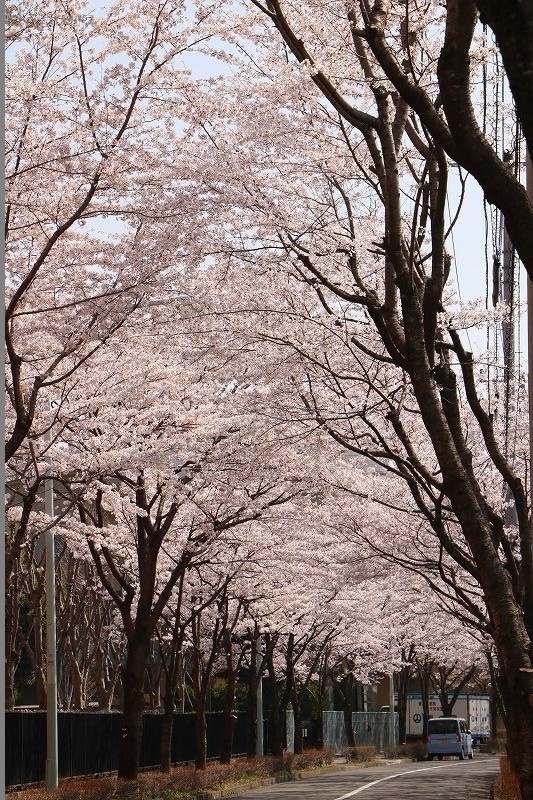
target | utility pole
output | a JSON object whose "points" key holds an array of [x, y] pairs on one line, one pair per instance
{"points": [[259, 714], [529, 190], [51, 658], [508, 325], [507, 291]]}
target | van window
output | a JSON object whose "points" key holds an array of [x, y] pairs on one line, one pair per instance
{"points": [[464, 729], [442, 726]]}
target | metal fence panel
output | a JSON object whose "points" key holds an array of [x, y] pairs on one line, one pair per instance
{"points": [[183, 742], [373, 727], [25, 734], [88, 742], [333, 730], [370, 727]]}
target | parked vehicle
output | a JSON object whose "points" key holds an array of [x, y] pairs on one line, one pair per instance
{"points": [[449, 736]]}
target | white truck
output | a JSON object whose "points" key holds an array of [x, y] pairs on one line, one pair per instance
{"points": [[475, 708]]}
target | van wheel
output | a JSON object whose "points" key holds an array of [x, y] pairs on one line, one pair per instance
{"points": [[471, 755], [430, 758], [461, 756]]}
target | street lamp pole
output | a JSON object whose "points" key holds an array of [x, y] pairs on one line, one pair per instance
{"points": [[51, 659]]}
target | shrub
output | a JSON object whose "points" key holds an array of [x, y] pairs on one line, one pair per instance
{"points": [[361, 752], [182, 783], [416, 751], [292, 762]]}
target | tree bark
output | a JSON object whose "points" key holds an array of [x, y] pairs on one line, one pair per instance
{"points": [[200, 734], [10, 684], [132, 720], [230, 719], [230, 722], [12, 645], [423, 669], [277, 716], [166, 738], [252, 705], [298, 723], [403, 683], [78, 695], [512, 24], [347, 690], [507, 620]]}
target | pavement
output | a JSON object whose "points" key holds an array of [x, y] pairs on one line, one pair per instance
{"points": [[446, 780]]}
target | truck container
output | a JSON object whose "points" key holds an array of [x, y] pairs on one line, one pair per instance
{"points": [[474, 708]]}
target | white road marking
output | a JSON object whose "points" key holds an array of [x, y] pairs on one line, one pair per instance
{"points": [[390, 777]]}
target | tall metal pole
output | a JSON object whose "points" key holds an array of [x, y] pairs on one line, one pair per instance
{"points": [[509, 351], [51, 660], [259, 714], [508, 325]]}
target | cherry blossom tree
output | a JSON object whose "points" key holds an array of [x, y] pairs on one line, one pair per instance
{"points": [[176, 473], [92, 95], [342, 214], [225, 302]]}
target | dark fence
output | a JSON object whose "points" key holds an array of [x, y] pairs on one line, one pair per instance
{"points": [[88, 742]]}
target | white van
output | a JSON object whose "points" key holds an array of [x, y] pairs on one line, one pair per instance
{"points": [[449, 736]]}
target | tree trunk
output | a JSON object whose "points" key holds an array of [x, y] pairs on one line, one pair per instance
{"points": [[496, 702], [109, 691], [78, 699], [508, 619], [294, 695], [347, 685], [230, 720], [276, 730], [38, 655], [323, 697], [40, 687], [402, 717], [424, 676], [12, 650], [519, 728], [200, 734], [276, 714], [166, 737], [298, 724], [172, 671], [10, 685], [403, 683], [252, 704], [132, 721]]}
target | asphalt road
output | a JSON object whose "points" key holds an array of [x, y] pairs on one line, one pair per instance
{"points": [[446, 780]]}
